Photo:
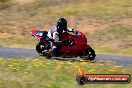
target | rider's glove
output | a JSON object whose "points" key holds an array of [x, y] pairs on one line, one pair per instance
{"points": [[79, 36], [75, 32]]}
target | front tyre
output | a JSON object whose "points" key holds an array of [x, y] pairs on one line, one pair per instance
{"points": [[40, 48], [91, 54]]}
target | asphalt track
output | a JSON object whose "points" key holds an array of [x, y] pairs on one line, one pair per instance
{"points": [[31, 54]]}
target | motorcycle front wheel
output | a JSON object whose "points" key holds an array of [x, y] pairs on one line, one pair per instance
{"points": [[42, 48]]}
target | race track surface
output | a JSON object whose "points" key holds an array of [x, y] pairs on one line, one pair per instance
{"points": [[31, 53]]}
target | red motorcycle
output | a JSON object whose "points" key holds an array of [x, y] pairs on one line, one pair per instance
{"points": [[73, 46]]}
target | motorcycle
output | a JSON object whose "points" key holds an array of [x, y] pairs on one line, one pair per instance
{"points": [[73, 46]]}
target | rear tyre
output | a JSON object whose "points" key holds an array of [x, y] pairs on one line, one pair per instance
{"points": [[91, 54]]}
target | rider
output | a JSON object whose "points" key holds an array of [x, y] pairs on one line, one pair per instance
{"points": [[56, 31]]}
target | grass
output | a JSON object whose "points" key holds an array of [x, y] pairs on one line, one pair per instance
{"points": [[18, 42], [18, 19], [98, 9], [42, 73], [4, 0], [114, 39], [109, 50]]}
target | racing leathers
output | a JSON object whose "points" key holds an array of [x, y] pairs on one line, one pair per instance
{"points": [[54, 36]]}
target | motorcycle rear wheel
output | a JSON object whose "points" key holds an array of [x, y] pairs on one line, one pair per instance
{"points": [[91, 54]]}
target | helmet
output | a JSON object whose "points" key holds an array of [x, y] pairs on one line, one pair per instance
{"points": [[61, 25], [59, 30]]}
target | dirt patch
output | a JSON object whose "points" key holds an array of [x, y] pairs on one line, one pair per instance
{"points": [[84, 25], [24, 1], [88, 25]]}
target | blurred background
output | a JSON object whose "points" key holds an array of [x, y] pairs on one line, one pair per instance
{"points": [[106, 23]]}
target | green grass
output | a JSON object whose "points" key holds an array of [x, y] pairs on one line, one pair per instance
{"points": [[110, 50], [115, 39], [18, 20], [18, 42], [97, 9], [42, 73]]}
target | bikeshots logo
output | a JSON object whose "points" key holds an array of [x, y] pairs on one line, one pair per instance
{"points": [[83, 78]]}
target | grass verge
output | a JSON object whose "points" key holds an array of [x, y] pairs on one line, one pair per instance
{"points": [[17, 42], [19, 19], [42, 73], [115, 39], [109, 50]]}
